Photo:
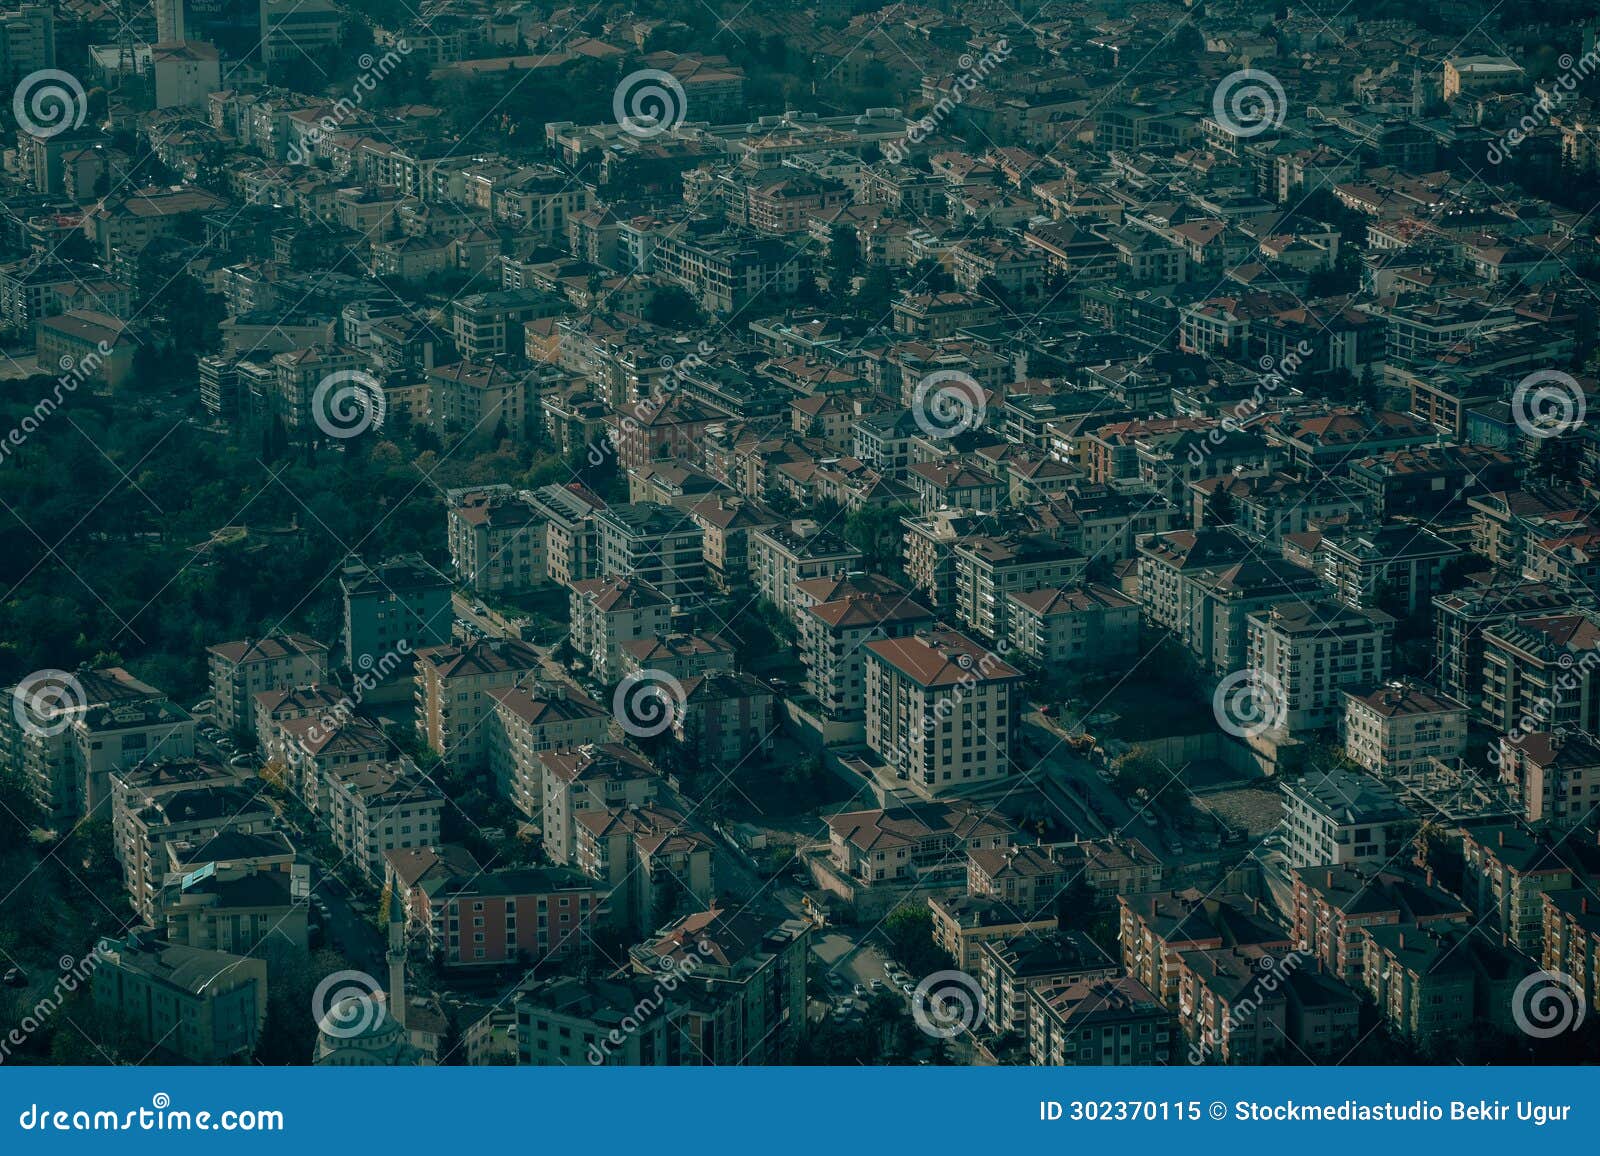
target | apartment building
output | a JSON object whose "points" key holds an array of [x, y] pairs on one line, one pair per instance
{"points": [[991, 567], [677, 654], [1432, 983], [726, 719], [609, 612], [1114, 1022], [746, 1002], [1249, 1004], [1156, 928], [314, 747], [1333, 903], [942, 710], [497, 542], [568, 1021], [1572, 940], [1461, 621], [186, 1003], [650, 859], [454, 698], [1009, 970], [589, 778], [123, 736], [727, 521], [528, 721], [654, 544], [1538, 673], [234, 908], [964, 924], [1338, 817], [833, 636], [917, 843], [954, 485], [192, 815], [782, 557], [1508, 869], [525, 915], [1553, 776], [378, 807], [1315, 651], [1397, 729], [572, 544], [244, 668], [403, 600], [1088, 626]]}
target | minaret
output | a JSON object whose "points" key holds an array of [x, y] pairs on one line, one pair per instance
{"points": [[397, 957]]}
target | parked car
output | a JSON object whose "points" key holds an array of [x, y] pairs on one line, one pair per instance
{"points": [[909, 988], [16, 977], [860, 991], [204, 706], [876, 985]]}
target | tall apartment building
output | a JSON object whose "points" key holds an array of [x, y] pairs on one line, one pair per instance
{"points": [[1509, 867], [941, 709], [745, 1002], [527, 722], [1537, 673], [990, 568], [123, 736], [401, 600], [651, 859], [1100, 1023], [497, 541], [1338, 817], [1398, 728], [246, 667], [655, 544], [1315, 651], [1554, 776], [44, 750], [454, 694], [187, 1003], [782, 557], [833, 637], [609, 612], [27, 41], [378, 807], [1087, 626], [1333, 903], [589, 778]]}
